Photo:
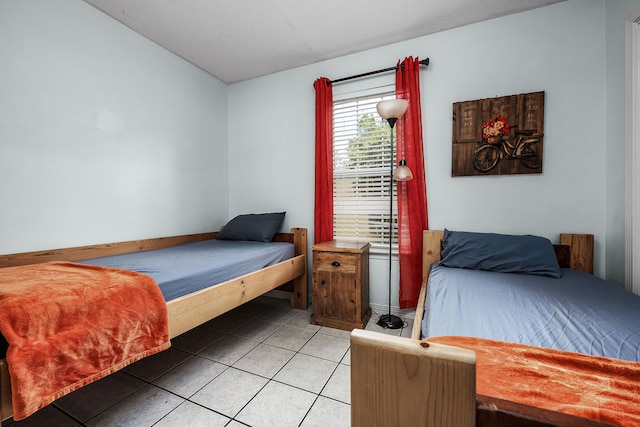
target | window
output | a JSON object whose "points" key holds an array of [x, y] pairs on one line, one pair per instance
{"points": [[362, 160]]}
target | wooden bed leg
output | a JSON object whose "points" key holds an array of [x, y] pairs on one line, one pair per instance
{"points": [[400, 382], [299, 296], [6, 409]]}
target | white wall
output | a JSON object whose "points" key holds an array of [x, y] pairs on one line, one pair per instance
{"points": [[104, 136], [558, 49]]}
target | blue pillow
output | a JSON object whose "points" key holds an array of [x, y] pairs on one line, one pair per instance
{"points": [[500, 252], [254, 227]]}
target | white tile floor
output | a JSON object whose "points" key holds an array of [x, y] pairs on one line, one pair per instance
{"points": [[262, 364]]}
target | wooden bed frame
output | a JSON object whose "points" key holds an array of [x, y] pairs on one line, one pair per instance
{"points": [[399, 381], [189, 311]]}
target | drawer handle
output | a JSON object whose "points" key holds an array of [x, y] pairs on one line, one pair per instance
{"points": [[335, 264]]}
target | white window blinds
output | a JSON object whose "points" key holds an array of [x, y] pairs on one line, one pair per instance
{"points": [[362, 160]]}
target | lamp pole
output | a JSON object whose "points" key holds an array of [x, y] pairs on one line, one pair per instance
{"points": [[391, 110]]}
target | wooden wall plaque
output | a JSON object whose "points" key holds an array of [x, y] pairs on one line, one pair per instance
{"points": [[498, 136]]}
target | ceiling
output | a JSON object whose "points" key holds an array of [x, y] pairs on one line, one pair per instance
{"points": [[236, 40]]}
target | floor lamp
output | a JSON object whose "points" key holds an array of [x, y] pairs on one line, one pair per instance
{"points": [[391, 110]]}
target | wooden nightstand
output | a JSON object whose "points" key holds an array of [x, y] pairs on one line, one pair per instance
{"points": [[341, 284]]}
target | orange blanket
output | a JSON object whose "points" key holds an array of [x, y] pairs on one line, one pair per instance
{"points": [[598, 388], [70, 324]]}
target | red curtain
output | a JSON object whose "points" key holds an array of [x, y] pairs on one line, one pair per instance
{"points": [[412, 195], [323, 212]]}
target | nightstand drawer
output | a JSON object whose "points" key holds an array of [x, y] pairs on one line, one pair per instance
{"points": [[343, 263]]}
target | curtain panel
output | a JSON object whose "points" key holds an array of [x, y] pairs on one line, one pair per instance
{"points": [[323, 211], [412, 195]]}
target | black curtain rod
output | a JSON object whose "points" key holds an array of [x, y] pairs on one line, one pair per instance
{"points": [[424, 62]]}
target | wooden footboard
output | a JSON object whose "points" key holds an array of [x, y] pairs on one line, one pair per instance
{"points": [[493, 412], [402, 382], [192, 310]]}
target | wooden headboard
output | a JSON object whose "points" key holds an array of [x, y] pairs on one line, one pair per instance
{"points": [[574, 251]]}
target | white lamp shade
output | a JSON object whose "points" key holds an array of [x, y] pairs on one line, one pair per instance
{"points": [[403, 173], [392, 108]]}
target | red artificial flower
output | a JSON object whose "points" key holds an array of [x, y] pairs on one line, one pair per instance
{"points": [[495, 127]]}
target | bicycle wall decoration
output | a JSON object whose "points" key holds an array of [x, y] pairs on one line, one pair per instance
{"points": [[497, 146], [498, 136]]}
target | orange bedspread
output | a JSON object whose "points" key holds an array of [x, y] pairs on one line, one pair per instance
{"points": [[70, 324], [598, 388]]}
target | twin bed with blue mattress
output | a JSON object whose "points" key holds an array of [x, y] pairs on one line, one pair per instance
{"points": [[519, 291], [201, 276]]}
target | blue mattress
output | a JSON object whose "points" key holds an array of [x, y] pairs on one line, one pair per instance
{"points": [[183, 269], [578, 312]]}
